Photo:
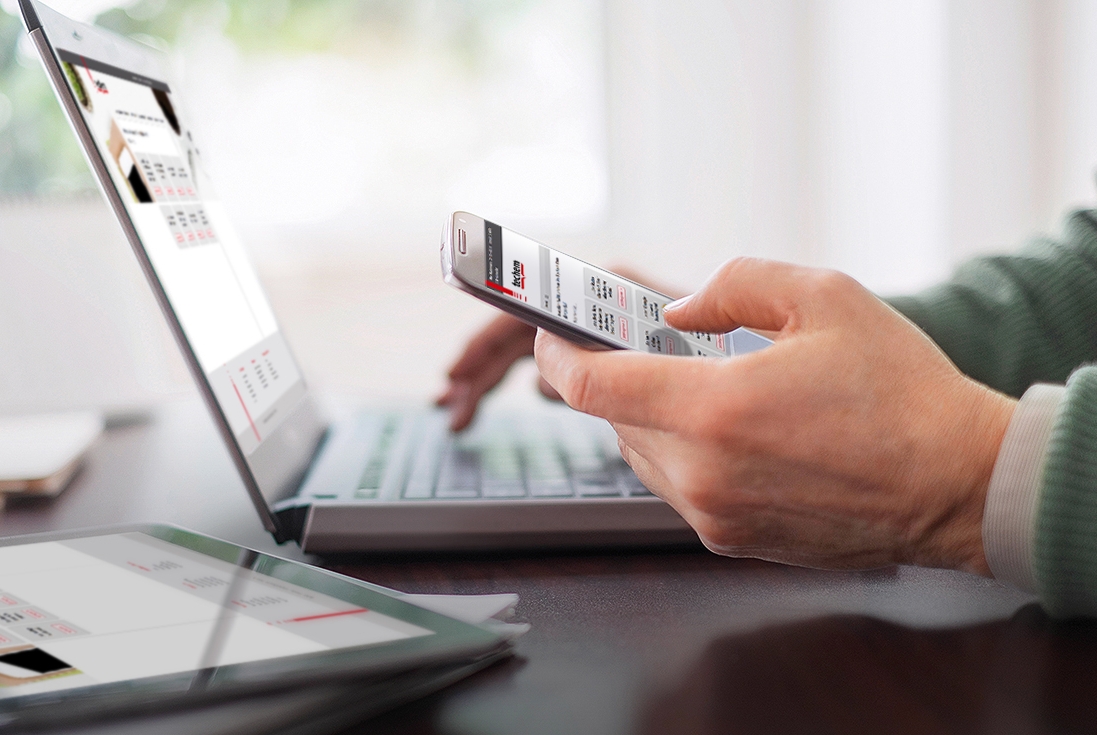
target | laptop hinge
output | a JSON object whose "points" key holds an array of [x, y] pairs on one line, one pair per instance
{"points": [[291, 522]]}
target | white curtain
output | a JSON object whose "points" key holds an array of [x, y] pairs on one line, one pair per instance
{"points": [[888, 139]]}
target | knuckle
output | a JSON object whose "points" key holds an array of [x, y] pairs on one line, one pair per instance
{"points": [[732, 267], [707, 423], [579, 389], [714, 420], [831, 284]]}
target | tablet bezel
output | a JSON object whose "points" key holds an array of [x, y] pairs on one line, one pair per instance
{"points": [[452, 641]]}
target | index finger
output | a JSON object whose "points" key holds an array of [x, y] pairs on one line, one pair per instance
{"points": [[746, 292], [503, 340], [622, 386]]}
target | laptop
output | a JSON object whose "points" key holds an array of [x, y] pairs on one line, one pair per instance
{"points": [[382, 481]]}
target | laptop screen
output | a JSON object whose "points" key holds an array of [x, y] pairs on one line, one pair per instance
{"points": [[156, 167], [135, 135]]}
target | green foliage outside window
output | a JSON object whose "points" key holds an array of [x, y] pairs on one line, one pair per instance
{"points": [[38, 155]]}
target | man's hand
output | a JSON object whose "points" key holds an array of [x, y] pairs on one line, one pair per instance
{"points": [[852, 442], [486, 360], [490, 354]]}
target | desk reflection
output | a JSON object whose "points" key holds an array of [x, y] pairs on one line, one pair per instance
{"points": [[856, 674]]}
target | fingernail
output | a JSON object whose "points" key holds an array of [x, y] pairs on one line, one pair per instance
{"points": [[678, 304]]}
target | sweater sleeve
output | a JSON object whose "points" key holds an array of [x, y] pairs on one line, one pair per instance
{"points": [[1016, 320], [1013, 498], [1065, 553]]}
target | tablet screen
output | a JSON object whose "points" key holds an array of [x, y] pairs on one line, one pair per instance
{"points": [[106, 609]]}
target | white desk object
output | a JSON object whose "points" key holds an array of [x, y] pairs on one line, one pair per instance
{"points": [[40, 453]]}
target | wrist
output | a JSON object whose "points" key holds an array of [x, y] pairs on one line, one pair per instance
{"points": [[955, 540]]}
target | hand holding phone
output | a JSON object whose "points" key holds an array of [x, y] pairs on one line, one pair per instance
{"points": [[564, 295]]}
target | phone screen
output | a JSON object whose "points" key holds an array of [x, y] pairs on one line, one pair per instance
{"points": [[595, 300]]}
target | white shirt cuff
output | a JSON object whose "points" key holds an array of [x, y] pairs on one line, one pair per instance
{"points": [[1009, 518]]}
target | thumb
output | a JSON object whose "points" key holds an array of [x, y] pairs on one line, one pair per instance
{"points": [[744, 292]]}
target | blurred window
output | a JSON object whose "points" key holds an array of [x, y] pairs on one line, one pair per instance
{"points": [[350, 116]]}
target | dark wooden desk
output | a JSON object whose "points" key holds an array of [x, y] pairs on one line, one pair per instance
{"points": [[657, 642]]}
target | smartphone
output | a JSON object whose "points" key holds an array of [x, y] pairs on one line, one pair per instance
{"points": [[576, 300]]}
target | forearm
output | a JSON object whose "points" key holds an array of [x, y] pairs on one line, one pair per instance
{"points": [[1012, 321]]}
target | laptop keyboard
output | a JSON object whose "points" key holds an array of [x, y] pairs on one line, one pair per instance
{"points": [[551, 456]]}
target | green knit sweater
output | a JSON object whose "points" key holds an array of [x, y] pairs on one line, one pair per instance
{"points": [[1013, 321]]}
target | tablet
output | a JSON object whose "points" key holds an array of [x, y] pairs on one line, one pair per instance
{"points": [[157, 616]]}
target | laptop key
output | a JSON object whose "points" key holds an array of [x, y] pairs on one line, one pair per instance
{"points": [[599, 483], [424, 468], [491, 489], [501, 465], [460, 474], [417, 491], [550, 489], [597, 489], [544, 463], [451, 493], [630, 485], [586, 461], [370, 482]]}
